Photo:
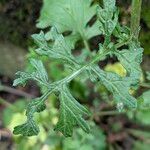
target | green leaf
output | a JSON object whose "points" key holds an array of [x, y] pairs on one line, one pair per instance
{"points": [[30, 128], [39, 74], [108, 17], [131, 60], [71, 113], [118, 86], [69, 15], [109, 4], [40, 70], [71, 18], [23, 77], [27, 129], [40, 40], [122, 33], [59, 50]]}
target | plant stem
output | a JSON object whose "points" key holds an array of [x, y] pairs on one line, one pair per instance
{"points": [[146, 85], [86, 44], [97, 58], [140, 134], [15, 91], [108, 113], [135, 18]]}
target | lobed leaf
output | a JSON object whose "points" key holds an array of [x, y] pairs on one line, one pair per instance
{"points": [[70, 15], [40, 70], [118, 86], [60, 49], [131, 60], [30, 128], [71, 113], [39, 74], [108, 17], [27, 129], [23, 77]]}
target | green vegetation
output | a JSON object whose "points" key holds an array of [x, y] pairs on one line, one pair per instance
{"points": [[75, 14], [93, 93]]}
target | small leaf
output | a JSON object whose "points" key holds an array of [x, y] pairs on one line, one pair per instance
{"points": [[108, 17], [109, 4], [27, 129], [39, 74], [70, 114], [59, 50], [23, 77], [30, 128], [131, 60], [40, 40], [40, 69]]}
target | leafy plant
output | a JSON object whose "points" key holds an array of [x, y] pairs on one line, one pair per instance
{"points": [[51, 140], [74, 17]]}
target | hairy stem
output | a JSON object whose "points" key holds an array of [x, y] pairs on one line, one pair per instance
{"points": [[135, 18]]}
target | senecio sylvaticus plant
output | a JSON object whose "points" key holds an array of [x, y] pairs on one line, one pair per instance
{"points": [[74, 16]]}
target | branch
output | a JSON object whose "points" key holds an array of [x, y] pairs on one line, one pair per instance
{"points": [[97, 58], [15, 91]]}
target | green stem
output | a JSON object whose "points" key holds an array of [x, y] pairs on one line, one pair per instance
{"points": [[135, 18], [80, 70], [86, 44], [70, 77], [146, 85], [108, 113]]}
